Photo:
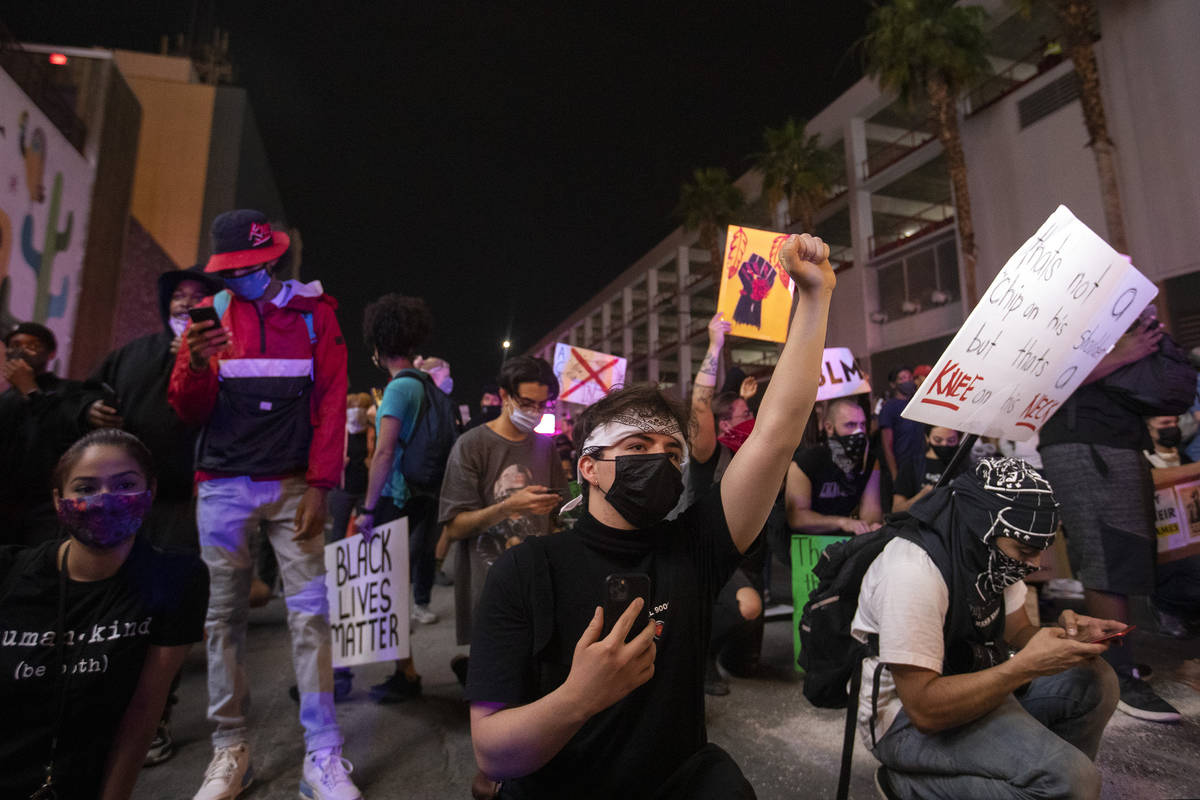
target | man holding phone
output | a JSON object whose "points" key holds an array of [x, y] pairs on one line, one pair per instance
{"points": [[269, 388], [962, 696], [557, 710], [503, 481]]}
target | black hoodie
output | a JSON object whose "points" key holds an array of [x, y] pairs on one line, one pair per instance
{"points": [[139, 373]]}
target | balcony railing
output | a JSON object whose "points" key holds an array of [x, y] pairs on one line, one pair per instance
{"points": [[907, 142], [907, 229], [1003, 83]]}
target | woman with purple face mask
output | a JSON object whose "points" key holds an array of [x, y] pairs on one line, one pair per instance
{"points": [[92, 629]]}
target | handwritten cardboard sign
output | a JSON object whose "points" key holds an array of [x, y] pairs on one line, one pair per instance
{"points": [[1177, 520], [1054, 310], [367, 584], [806, 552], [756, 291], [840, 375], [585, 376]]}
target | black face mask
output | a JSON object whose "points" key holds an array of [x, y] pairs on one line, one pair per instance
{"points": [[853, 445], [645, 488], [906, 389], [944, 452], [489, 413], [1170, 436]]}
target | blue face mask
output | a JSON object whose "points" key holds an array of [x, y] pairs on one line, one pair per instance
{"points": [[250, 287]]}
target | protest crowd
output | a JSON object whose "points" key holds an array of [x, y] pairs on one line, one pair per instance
{"points": [[606, 579]]}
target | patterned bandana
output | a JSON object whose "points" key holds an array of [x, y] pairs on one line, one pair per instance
{"points": [[104, 520], [625, 425]]}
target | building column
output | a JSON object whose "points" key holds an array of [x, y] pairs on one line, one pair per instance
{"points": [[627, 332], [652, 326], [861, 226], [684, 304], [606, 326], [587, 331]]}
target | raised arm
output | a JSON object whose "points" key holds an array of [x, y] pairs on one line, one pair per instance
{"points": [[704, 430], [752, 480]]}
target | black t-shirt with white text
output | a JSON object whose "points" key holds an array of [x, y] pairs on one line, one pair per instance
{"points": [[912, 477], [153, 599], [534, 609]]}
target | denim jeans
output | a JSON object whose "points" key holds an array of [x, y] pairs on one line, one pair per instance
{"points": [[228, 513], [1040, 745]]}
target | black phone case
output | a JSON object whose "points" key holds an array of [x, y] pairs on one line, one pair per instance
{"points": [[619, 591]]}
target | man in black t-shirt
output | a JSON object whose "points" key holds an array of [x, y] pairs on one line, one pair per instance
{"points": [[557, 708], [835, 486]]}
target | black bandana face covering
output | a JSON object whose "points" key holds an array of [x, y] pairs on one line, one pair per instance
{"points": [[1002, 571], [847, 451], [645, 488]]}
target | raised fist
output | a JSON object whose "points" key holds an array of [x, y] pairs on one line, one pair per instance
{"points": [[806, 259]]}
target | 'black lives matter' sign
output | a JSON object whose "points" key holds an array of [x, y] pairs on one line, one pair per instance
{"points": [[367, 583]]}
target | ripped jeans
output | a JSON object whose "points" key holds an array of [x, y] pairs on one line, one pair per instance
{"points": [[229, 512]]}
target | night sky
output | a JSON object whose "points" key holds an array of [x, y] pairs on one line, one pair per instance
{"points": [[504, 160]]}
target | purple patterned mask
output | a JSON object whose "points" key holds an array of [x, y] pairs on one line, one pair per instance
{"points": [[104, 520]]}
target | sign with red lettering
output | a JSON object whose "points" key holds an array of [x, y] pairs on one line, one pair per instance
{"points": [[840, 375], [1054, 310], [366, 581]]}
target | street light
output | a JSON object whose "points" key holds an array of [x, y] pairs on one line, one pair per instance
{"points": [[504, 346]]}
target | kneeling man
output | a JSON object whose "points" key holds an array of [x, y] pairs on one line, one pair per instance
{"points": [[966, 697]]}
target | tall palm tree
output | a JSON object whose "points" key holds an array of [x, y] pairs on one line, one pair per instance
{"points": [[795, 167], [933, 50], [1077, 31], [708, 203]]}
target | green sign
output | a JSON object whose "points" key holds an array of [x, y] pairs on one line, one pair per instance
{"points": [[806, 551]]}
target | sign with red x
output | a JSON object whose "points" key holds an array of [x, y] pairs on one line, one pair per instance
{"points": [[585, 376]]}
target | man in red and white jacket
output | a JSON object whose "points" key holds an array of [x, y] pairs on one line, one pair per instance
{"points": [[269, 386]]}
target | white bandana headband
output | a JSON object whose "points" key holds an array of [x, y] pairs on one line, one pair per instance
{"points": [[622, 427]]}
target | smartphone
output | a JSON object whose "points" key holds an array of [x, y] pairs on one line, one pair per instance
{"points": [[619, 591], [1114, 635], [206, 313], [110, 396]]}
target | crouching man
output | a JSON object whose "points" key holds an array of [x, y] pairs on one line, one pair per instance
{"points": [[558, 708], [967, 698]]}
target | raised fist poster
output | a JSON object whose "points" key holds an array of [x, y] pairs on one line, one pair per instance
{"points": [[585, 376], [756, 292], [1055, 309]]}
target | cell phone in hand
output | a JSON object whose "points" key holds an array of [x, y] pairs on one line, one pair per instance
{"points": [[1114, 635], [620, 589], [110, 397], [206, 313]]}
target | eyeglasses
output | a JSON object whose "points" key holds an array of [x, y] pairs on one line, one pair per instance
{"points": [[525, 404]]}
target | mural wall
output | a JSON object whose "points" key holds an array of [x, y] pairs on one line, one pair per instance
{"points": [[45, 194]]}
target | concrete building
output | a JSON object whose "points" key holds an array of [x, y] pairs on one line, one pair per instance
{"points": [[151, 154], [890, 219]]}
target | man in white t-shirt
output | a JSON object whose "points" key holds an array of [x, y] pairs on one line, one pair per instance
{"points": [[973, 700]]}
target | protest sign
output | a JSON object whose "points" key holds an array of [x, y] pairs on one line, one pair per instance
{"points": [[1177, 520], [840, 375], [585, 376], [367, 584], [806, 552], [1054, 310], [756, 291]]}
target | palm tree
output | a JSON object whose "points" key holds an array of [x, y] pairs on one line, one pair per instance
{"points": [[795, 167], [933, 50], [1077, 32], [709, 203]]}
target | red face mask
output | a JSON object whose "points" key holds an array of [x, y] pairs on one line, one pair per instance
{"points": [[736, 436]]}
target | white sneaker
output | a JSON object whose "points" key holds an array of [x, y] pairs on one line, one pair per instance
{"points": [[327, 776], [228, 774], [423, 615]]}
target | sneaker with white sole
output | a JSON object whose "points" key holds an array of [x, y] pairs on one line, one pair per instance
{"points": [[228, 774], [424, 615], [1139, 700], [327, 776]]}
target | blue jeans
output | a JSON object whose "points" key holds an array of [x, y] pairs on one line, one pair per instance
{"points": [[1040, 745], [228, 512]]}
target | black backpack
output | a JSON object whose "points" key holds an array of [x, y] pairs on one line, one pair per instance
{"points": [[829, 655], [426, 452]]}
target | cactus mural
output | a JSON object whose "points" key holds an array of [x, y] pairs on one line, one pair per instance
{"points": [[35, 158], [47, 306]]}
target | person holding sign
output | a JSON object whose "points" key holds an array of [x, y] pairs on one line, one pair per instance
{"points": [[962, 696], [835, 486], [570, 700], [917, 480], [1092, 453], [1176, 599]]}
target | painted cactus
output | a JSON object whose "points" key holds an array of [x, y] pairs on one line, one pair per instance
{"points": [[47, 306]]}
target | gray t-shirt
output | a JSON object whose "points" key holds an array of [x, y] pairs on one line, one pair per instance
{"points": [[484, 468]]}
